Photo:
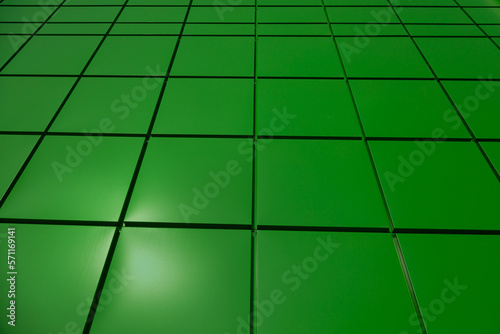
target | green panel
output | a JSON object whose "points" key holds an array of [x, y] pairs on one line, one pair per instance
{"points": [[461, 57], [485, 15], [355, 2], [133, 55], [478, 103], [14, 150], [479, 3], [25, 13], [317, 183], [451, 273], [370, 29], [492, 149], [297, 107], [9, 44], [426, 3], [290, 2], [383, 57], [85, 14], [206, 106], [19, 28], [74, 28], [491, 30], [29, 103], [70, 178], [443, 185], [28, 2], [382, 15], [443, 30], [415, 108], [93, 2], [293, 29], [128, 102], [58, 268], [153, 14], [179, 281], [38, 57], [290, 15], [223, 5], [219, 29], [310, 282], [214, 56], [149, 28], [194, 180], [209, 14], [292, 57], [433, 15], [158, 2]]}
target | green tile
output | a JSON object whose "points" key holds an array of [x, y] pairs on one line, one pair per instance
{"points": [[14, 150], [85, 14], [158, 2], [29, 103], [290, 15], [491, 30], [313, 282], [383, 57], [54, 55], [293, 29], [224, 6], [381, 15], [29, 2], [70, 178], [55, 295], [478, 103], [451, 273], [128, 102], [492, 149], [461, 57], [93, 2], [74, 28], [196, 180], [479, 3], [443, 30], [26, 13], [206, 106], [317, 183], [369, 29], [414, 108], [9, 44], [426, 3], [433, 15], [214, 56], [181, 281], [153, 14], [356, 2], [297, 57], [297, 107], [485, 15], [133, 55], [19, 28], [437, 185], [497, 41], [210, 15], [290, 2], [147, 28], [219, 29]]}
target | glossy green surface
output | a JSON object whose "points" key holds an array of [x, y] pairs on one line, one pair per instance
{"points": [[336, 176], [206, 106], [291, 15], [146, 28], [180, 281], [414, 109], [382, 15], [443, 30], [75, 178], [371, 29], [440, 185], [484, 15], [330, 283], [74, 28], [29, 14], [451, 273], [85, 14], [235, 15], [493, 152], [194, 180], [153, 14], [293, 29], [219, 29], [433, 15], [58, 268]]}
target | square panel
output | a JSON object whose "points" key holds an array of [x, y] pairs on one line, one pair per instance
{"points": [[451, 15], [317, 183], [19, 28], [179, 281], [301, 29], [487, 3], [451, 273], [77, 254], [324, 283], [492, 149], [85, 14], [26, 13], [236, 14], [437, 185], [485, 15], [461, 57], [380, 15], [29, 103], [478, 103], [291, 15], [128, 103], [70, 178], [414, 108], [305, 107], [214, 56], [74, 28], [146, 28], [14, 149], [368, 29], [439, 30], [290, 3], [153, 14], [133, 55], [53, 55], [194, 180], [385, 57], [425, 3], [355, 2], [297, 57], [206, 107], [219, 29]]}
